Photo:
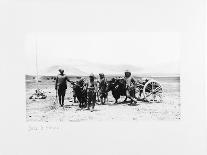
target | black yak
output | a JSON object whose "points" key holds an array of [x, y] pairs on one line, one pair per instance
{"points": [[118, 88], [80, 93]]}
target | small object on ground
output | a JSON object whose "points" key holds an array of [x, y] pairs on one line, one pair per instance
{"points": [[39, 94]]}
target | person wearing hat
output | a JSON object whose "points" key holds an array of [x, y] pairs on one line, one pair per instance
{"points": [[91, 88], [130, 86], [102, 88], [61, 86]]}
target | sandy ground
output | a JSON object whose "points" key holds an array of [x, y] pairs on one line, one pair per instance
{"points": [[48, 110]]}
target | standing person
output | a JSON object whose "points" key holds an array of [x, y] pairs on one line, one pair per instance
{"points": [[102, 88], [61, 86], [91, 87], [74, 93], [98, 92], [130, 86]]}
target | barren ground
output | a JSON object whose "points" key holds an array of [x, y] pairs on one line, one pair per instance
{"points": [[47, 110]]}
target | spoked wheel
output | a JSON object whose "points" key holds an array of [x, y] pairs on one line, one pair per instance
{"points": [[153, 91]]}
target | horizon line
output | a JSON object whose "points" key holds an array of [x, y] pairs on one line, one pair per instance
{"points": [[146, 74]]}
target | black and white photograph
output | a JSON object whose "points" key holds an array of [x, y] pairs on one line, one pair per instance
{"points": [[110, 76], [103, 77]]}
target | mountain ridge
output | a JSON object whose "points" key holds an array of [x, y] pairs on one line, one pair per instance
{"points": [[84, 68]]}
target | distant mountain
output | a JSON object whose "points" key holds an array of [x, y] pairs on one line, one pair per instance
{"points": [[84, 68], [166, 69], [69, 70], [96, 68]]}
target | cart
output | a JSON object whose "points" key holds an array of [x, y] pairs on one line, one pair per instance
{"points": [[149, 90]]}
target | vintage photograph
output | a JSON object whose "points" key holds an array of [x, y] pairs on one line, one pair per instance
{"points": [[102, 76]]}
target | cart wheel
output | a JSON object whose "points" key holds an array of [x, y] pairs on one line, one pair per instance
{"points": [[152, 91]]}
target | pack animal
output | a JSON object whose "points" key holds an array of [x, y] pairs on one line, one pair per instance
{"points": [[80, 93], [118, 88]]}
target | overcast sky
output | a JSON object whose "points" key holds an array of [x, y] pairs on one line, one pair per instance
{"points": [[139, 33], [133, 48]]}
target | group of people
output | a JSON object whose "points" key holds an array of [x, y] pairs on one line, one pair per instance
{"points": [[92, 87]]}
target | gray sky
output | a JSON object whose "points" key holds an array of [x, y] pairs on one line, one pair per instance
{"points": [[140, 49], [134, 32]]}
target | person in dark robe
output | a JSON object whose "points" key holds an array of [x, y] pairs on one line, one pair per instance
{"points": [[61, 86]]}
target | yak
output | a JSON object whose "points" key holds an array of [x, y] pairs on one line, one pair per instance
{"points": [[118, 88], [80, 93]]}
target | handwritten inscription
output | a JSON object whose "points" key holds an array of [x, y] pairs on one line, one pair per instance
{"points": [[39, 128]]}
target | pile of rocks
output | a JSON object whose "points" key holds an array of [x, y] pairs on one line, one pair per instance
{"points": [[39, 94]]}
